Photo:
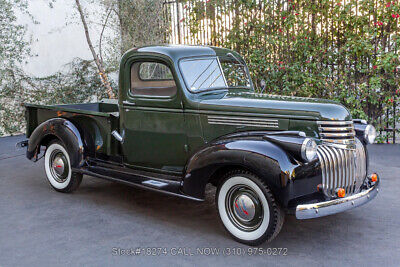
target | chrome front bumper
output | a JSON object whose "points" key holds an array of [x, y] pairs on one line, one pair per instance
{"points": [[308, 211]]}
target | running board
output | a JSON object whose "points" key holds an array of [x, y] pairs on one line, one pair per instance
{"points": [[168, 187]]}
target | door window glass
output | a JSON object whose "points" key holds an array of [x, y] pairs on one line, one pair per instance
{"points": [[152, 79]]}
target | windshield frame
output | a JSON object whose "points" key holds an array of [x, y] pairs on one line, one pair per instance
{"points": [[250, 87]]}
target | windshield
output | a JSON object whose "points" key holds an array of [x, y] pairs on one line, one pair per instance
{"points": [[202, 74]]}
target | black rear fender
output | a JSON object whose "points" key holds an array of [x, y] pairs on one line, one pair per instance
{"points": [[62, 129]]}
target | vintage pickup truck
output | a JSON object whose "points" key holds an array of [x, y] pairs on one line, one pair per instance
{"points": [[188, 116]]}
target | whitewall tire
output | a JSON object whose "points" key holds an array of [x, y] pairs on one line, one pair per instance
{"points": [[248, 209], [58, 170]]}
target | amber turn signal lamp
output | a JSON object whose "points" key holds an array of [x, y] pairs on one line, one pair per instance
{"points": [[341, 192], [374, 177]]}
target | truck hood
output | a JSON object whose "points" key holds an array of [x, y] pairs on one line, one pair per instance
{"points": [[273, 105]]}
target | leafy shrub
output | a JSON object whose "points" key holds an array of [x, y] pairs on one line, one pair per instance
{"points": [[79, 83], [342, 50]]}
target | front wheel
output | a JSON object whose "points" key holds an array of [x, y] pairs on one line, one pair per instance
{"points": [[58, 168], [247, 208]]}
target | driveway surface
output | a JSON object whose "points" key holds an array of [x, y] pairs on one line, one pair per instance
{"points": [[98, 222]]}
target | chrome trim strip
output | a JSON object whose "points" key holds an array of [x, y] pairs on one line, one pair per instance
{"points": [[248, 122], [245, 124], [352, 172], [334, 122], [309, 211], [351, 177], [342, 183], [323, 169], [335, 175], [332, 170], [352, 134], [243, 121], [250, 115], [349, 141], [349, 147], [335, 129], [328, 171], [348, 170], [339, 168]]}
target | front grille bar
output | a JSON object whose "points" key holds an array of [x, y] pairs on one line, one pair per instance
{"points": [[342, 168], [339, 134]]}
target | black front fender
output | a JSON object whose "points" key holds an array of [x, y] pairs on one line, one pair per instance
{"points": [[267, 160], [65, 131]]}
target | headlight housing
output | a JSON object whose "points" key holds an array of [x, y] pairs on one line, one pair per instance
{"points": [[370, 133], [308, 149]]}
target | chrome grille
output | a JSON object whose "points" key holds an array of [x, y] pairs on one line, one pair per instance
{"points": [[342, 168], [337, 133]]}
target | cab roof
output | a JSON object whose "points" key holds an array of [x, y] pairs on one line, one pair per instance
{"points": [[176, 52]]}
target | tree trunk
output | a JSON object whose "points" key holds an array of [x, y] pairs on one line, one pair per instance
{"points": [[99, 64]]}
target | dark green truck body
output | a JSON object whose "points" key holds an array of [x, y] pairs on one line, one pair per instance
{"points": [[189, 139]]}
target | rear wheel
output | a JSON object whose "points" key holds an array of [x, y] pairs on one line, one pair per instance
{"points": [[58, 168], [247, 208]]}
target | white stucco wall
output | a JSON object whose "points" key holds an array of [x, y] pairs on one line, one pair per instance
{"points": [[57, 39]]}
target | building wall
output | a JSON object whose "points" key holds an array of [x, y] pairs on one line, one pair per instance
{"points": [[57, 39]]}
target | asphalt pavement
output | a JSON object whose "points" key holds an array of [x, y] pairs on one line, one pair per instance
{"points": [[103, 221]]}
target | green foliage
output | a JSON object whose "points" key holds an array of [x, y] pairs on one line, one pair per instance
{"points": [[343, 50], [13, 46], [79, 84], [14, 49], [80, 81]]}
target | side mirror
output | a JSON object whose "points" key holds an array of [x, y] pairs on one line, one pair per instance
{"points": [[263, 84]]}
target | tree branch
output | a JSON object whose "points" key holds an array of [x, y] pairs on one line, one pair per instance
{"points": [[109, 10], [99, 63]]}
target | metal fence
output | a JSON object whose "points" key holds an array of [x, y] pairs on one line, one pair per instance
{"points": [[215, 26]]}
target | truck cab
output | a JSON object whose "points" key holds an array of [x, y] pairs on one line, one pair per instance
{"points": [[159, 98], [188, 116]]}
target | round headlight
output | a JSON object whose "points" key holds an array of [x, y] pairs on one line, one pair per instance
{"points": [[370, 133], [308, 149]]}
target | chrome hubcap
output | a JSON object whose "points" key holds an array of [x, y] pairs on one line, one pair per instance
{"points": [[59, 166], [244, 208]]}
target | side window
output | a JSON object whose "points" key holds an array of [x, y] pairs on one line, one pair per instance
{"points": [[152, 79], [154, 71]]}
